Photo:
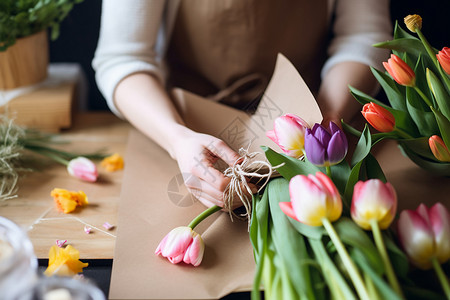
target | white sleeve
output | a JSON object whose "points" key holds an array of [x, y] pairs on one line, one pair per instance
{"points": [[127, 43], [357, 26]]}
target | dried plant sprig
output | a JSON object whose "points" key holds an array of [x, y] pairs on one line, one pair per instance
{"points": [[10, 153], [16, 141]]}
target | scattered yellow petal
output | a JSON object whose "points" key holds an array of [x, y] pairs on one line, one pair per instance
{"points": [[413, 22], [64, 261], [113, 162], [66, 201]]}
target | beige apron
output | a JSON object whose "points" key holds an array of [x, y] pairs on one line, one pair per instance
{"points": [[226, 49]]}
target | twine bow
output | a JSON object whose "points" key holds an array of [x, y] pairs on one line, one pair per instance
{"points": [[243, 170]]}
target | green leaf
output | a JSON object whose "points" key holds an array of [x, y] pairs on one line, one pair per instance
{"points": [[398, 258], [421, 77], [444, 126], [399, 32], [289, 244], [352, 180], [404, 45], [334, 278], [423, 118], [394, 92], [373, 168], [382, 287], [352, 235], [420, 146], [291, 165], [440, 94], [363, 147], [432, 166], [339, 175]]}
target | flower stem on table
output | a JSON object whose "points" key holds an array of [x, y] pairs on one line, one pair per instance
{"points": [[204, 215], [441, 276], [348, 263], [384, 256]]}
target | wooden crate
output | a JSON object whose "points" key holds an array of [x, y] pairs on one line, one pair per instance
{"points": [[47, 108]]}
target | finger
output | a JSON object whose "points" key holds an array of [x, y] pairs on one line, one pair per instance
{"points": [[205, 171], [205, 198], [203, 187], [220, 149]]}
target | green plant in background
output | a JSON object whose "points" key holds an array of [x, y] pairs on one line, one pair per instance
{"points": [[22, 18]]}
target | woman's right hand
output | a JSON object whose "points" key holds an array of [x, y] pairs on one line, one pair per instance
{"points": [[196, 155]]}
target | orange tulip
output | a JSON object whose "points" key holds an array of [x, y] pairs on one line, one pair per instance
{"points": [[379, 117], [439, 149], [400, 71], [444, 59]]}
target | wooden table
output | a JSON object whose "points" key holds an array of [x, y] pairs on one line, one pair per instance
{"points": [[34, 210]]}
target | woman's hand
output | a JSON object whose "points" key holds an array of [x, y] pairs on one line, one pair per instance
{"points": [[196, 155]]}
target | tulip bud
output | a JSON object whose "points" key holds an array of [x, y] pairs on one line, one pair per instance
{"points": [[373, 199], [83, 168], [413, 22], [325, 147], [439, 149], [400, 71], [380, 118], [425, 234], [182, 244], [313, 198], [289, 134], [444, 59]]}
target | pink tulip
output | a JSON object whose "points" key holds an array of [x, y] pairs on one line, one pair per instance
{"points": [[373, 199], [289, 134], [312, 199], [83, 168], [425, 234], [182, 244]]}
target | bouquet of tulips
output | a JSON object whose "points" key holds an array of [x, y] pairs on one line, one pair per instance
{"points": [[323, 230], [417, 85]]}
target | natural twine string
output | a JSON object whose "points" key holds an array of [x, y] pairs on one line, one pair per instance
{"points": [[241, 172]]}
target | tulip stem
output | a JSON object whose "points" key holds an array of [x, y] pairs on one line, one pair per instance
{"points": [[403, 133], [384, 256], [424, 97], [204, 215], [348, 263], [427, 47], [54, 157], [328, 169], [441, 276]]}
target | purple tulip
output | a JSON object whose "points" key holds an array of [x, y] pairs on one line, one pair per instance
{"points": [[325, 147]]}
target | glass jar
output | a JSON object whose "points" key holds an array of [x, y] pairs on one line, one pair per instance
{"points": [[63, 288], [18, 263]]}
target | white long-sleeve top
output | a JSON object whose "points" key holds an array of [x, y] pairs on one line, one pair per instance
{"points": [[134, 36]]}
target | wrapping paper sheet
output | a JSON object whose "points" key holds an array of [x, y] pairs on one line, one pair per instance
{"points": [[153, 202], [154, 199]]}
